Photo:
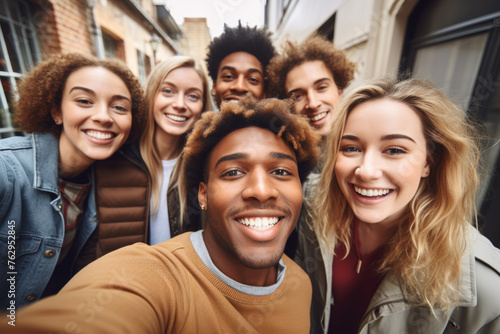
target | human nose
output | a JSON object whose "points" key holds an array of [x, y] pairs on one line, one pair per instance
{"points": [[240, 84], [102, 114], [260, 187], [180, 102], [312, 100], [369, 168]]}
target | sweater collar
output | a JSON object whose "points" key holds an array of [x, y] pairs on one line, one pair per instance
{"points": [[201, 250]]}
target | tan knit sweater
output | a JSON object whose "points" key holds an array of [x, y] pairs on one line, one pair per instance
{"points": [[165, 288]]}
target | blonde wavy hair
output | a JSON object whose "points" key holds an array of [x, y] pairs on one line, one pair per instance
{"points": [[425, 252], [148, 148]]}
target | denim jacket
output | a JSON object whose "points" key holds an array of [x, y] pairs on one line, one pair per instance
{"points": [[31, 222]]}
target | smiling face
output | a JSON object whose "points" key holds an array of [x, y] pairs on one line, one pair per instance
{"points": [[385, 139], [179, 103], [316, 95], [239, 73], [96, 116], [253, 196]]}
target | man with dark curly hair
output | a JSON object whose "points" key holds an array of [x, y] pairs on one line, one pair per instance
{"points": [[237, 62], [313, 73], [247, 162]]}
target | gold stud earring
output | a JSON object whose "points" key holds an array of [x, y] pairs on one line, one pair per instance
{"points": [[203, 207]]}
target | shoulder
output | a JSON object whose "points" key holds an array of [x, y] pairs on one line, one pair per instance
{"points": [[16, 154], [296, 273], [16, 143], [151, 266], [487, 254], [140, 252], [132, 151], [487, 270], [487, 280]]}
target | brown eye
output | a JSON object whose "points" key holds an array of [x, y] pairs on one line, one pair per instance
{"points": [[232, 173], [281, 172]]}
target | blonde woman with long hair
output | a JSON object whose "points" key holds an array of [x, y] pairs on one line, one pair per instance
{"points": [[140, 200], [177, 94], [391, 245]]}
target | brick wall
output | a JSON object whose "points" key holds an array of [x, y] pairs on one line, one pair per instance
{"points": [[45, 25], [196, 38], [72, 25]]}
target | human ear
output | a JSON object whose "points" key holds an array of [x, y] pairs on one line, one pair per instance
{"points": [[426, 170], [213, 89], [56, 115], [202, 195]]}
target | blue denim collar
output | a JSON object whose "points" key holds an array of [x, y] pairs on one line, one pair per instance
{"points": [[46, 161]]}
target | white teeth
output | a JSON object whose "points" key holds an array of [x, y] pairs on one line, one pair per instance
{"points": [[318, 117], [177, 118], [371, 192], [99, 135], [260, 223]]}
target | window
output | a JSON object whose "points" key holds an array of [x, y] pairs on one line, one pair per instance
{"points": [[18, 53], [114, 47], [147, 65], [439, 63], [142, 66], [109, 45]]}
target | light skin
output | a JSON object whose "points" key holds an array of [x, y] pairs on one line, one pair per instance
{"points": [[385, 140], [312, 86], [177, 107], [239, 73], [96, 118], [250, 185]]}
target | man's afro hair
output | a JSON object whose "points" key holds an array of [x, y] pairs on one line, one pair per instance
{"points": [[256, 42], [270, 114]]}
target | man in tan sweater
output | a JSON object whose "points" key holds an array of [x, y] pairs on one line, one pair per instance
{"points": [[232, 277]]}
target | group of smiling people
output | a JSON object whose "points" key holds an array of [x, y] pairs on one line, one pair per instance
{"points": [[368, 186]]}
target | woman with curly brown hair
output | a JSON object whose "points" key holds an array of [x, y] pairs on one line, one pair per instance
{"points": [[391, 246], [78, 109]]}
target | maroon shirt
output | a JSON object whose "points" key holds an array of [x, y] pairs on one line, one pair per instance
{"points": [[352, 291]]}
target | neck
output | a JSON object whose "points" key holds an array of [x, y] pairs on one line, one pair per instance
{"points": [[167, 145], [231, 266], [373, 236], [70, 166]]}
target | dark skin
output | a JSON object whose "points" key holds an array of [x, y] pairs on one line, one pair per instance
{"points": [[239, 73], [250, 185]]}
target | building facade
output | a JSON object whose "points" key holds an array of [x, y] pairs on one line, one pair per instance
{"points": [[30, 30], [455, 44], [196, 39]]}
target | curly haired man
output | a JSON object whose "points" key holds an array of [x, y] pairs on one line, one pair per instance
{"points": [[313, 73], [237, 62]]}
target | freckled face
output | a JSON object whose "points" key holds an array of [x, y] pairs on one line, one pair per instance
{"points": [[253, 195], [385, 139]]}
